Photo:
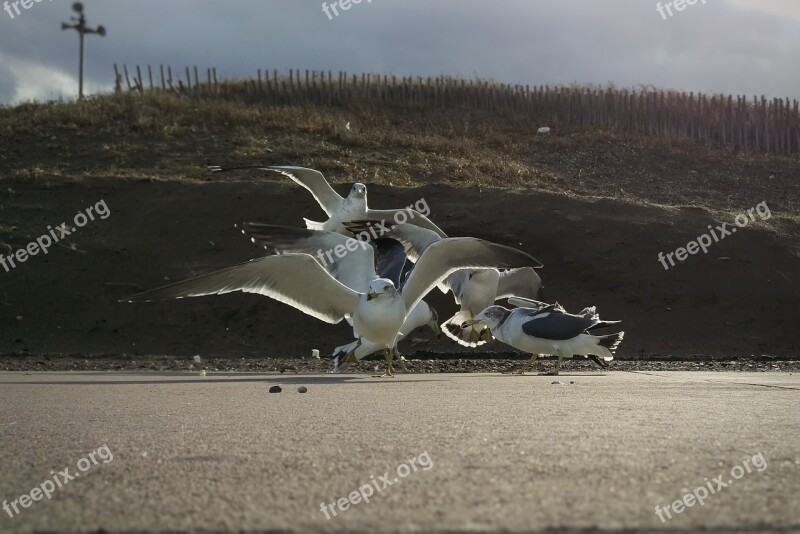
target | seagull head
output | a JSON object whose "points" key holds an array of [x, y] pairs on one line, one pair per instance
{"points": [[381, 288], [492, 317], [358, 191]]}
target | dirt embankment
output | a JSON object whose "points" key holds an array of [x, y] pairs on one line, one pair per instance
{"points": [[739, 299]]}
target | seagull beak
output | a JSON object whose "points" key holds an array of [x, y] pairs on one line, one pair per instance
{"points": [[470, 322], [371, 296]]}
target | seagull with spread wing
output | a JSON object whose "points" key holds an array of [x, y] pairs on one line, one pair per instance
{"points": [[473, 289], [378, 312], [548, 329], [339, 210], [390, 259]]}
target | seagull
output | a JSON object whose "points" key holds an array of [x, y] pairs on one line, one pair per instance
{"points": [[473, 289], [339, 210], [550, 330], [378, 313], [422, 315], [390, 258]]}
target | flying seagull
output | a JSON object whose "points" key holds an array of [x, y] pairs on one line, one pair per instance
{"points": [[550, 330], [473, 289], [378, 313], [340, 210]]}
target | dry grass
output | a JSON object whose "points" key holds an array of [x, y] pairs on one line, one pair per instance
{"points": [[162, 136]]}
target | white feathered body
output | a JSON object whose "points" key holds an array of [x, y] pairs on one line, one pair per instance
{"points": [[374, 318], [479, 291], [419, 316], [352, 209], [510, 332]]}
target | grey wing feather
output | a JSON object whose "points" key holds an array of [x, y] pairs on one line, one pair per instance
{"points": [[415, 239], [455, 283], [355, 268], [329, 200], [448, 255], [413, 217], [523, 282], [536, 305], [556, 325], [390, 259], [294, 279], [314, 181]]}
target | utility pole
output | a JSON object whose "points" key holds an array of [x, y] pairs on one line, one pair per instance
{"points": [[79, 24]]}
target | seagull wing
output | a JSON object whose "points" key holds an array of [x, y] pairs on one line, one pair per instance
{"points": [[329, 200], [348, 260], [535, 305], [390, 217], [390, 259], [294, 279], [556, 325], [522, 282], [415, 239], [455, 282], [448, 255]]}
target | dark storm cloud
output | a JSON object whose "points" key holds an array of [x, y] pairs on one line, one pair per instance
{"points": [[733, 46]]}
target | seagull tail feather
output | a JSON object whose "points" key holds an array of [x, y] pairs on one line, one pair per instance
{"points": [[604, 324], [338, 355], [472, 336], [610, 344]]}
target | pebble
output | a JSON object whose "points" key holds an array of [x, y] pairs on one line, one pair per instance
{"points": [[275, 389], [302, 389], [556, 382]]}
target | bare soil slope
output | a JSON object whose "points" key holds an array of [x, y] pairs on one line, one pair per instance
{"points": [[596, 208], [595, 252]]}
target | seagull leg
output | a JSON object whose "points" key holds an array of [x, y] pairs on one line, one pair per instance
{"points": [[350, 357], [387, 353], [528, 365], [400, 359], [558, 365]]}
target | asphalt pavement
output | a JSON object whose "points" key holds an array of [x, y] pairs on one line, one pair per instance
{"points": [[165, 452]]}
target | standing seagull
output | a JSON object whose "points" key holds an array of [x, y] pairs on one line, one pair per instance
{"points": [[378, 313], [340, 210], [342, 256], [473, 289], [422, 315], [550, 330]]}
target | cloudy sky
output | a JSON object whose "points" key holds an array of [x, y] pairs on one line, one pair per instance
{"points": [[728, 46]]}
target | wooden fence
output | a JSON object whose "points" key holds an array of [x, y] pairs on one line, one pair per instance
{"points": [[757, 123]]}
